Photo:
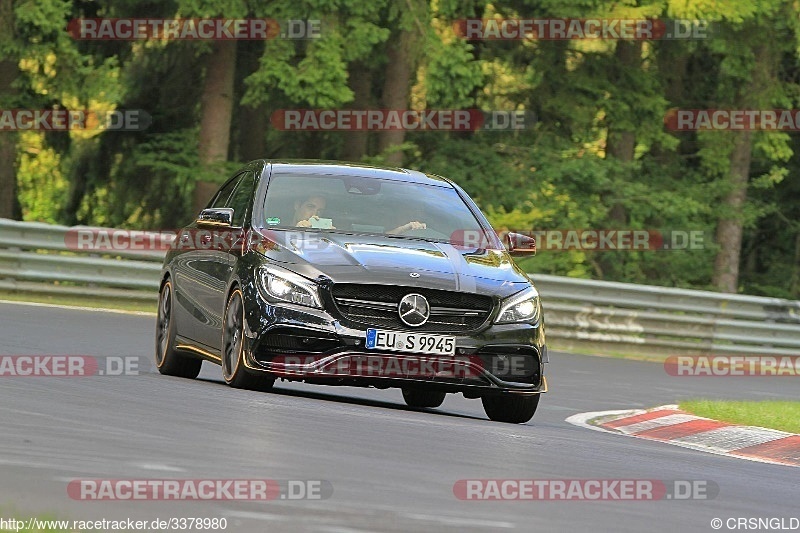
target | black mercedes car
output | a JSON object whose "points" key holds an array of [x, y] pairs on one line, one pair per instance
{"points": [[346, 274]]}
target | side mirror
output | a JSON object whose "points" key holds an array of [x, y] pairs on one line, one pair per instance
{"points": [[518, 244], [221, 217]]}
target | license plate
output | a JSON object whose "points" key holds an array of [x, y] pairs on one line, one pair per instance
{"points": [[400, 341]]}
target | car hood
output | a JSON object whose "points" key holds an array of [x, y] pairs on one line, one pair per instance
{"points": [[347, 258]]}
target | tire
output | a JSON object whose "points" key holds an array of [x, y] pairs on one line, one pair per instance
{"points": [[514, 409], [233, 370], [423, 398], [169, 361]]}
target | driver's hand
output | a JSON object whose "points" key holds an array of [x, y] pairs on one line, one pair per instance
{"points": [[414, 224], [307, 223], [410, 226]]}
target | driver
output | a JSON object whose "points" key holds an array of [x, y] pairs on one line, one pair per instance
{"points": [[307, 210]]}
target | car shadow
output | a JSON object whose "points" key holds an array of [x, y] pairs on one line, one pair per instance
{"points": [[322, 396]]}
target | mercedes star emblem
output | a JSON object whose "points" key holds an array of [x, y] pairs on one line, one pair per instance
{"points": [[414, 310]]}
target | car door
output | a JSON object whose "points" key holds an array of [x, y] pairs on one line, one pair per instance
{"points": [[222, 258], [200, 277]]}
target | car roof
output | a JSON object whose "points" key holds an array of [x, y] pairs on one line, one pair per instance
{"points": [[340, 168]]}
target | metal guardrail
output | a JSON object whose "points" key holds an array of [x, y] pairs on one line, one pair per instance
{"points": [[580, 314]]}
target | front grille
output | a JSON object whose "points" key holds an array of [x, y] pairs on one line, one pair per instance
{"points": [[376, 306]]}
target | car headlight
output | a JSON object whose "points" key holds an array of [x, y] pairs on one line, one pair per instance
{"points": [[522, 307], [289, 287]]}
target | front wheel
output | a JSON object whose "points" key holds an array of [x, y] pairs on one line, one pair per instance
{"points": [[168, 360], [233, 370], [514, 409], [423, 398]]}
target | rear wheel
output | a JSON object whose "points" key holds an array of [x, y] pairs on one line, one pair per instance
{"points": [[423, 398], [514, 409], [168, 360], [233, 370]]}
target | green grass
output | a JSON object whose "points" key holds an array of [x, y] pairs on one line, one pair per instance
{"points": [[80, 301], [597, 350], [782, 415]]}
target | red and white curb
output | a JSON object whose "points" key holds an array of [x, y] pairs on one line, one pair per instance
{"points": [[673, 426]]}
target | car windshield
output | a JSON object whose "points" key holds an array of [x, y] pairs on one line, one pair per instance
{"points": [[368, 205]]}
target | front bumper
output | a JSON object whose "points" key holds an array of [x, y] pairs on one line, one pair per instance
{"points": [[305, 344]]}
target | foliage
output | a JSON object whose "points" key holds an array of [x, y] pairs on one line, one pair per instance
{"points": [[554, 174]]}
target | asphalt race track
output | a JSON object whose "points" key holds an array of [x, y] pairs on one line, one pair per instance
{"points": [[391, 468]]}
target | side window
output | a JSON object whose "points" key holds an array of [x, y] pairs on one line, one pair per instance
{"points": [[242, 198], [221, 199]]}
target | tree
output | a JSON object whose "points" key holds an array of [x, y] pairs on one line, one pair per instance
{"points": [[9, 74], [217, 100], [749, 80]]}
